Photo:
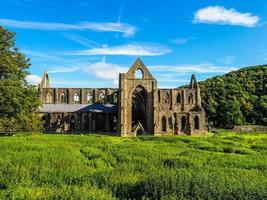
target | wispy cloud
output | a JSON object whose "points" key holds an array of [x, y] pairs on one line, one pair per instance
{"points": [[192, 68], [181, 41], [227, 60], [33, 79], [221, 15], [126, 29], [63, 69], [127, 50], [81, 40], [38, 54]]}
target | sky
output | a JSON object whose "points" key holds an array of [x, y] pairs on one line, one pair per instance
{"points": [[87, 43]]}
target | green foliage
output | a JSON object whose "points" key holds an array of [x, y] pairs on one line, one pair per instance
{"points": [[222, 166], [237, 98], [18, 100]]}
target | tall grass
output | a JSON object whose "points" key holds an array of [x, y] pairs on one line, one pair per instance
{"points": [[223, 166]]}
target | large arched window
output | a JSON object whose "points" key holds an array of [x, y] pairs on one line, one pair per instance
{"points": [[190, 98], [115, 98], [139, 74], [89, 98], [76, 97], [101, 97], [49, 97], [63, 98], [163, 124], [196, 122], [179, 98]]}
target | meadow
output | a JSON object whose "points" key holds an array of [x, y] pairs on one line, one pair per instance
{"points": [[52, 166]]}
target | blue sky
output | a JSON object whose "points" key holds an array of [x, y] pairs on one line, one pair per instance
{"points": [[87, 43]]}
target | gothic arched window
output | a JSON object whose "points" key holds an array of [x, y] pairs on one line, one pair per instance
{"points": [[167, 98], [49, 97], [89, 98], [63, 98], [101, 97], [76, 97], [179, 98], [190, 98], [115, 98], [139, 74]]}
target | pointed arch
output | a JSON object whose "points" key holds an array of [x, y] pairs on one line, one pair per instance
{"points": [[76, 97], [101, 97], [115, 97], [167, 97], [190, 98], [139, 74], [138, 64], [139, 106], [163, 124], [49, 97], [196, 121], [63, 98], [179, 98], [89, 98]]}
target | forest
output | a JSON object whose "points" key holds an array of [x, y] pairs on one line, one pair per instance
{"points": [[236, 98]]}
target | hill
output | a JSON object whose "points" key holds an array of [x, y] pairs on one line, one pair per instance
{"points": [[223, 166], [236, 98]]}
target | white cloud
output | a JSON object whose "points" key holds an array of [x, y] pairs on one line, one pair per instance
{"points": [[63, 69], [126, 29], [181, 41], [227, 60], [33, 79], [128, 49], [106, 71], [220, 15], [186, 68]]}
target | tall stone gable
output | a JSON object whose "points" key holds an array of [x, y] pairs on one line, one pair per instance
{"points": [[128, 83]]}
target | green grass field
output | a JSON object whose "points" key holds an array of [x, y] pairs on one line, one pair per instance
{"points": [[223, 166]]}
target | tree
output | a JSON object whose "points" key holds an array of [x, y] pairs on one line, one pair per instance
{"points": [[18, 100], [236, 98], [229, 114]]}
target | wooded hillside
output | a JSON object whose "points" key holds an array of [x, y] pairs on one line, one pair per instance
{"points": [[236, 98]]}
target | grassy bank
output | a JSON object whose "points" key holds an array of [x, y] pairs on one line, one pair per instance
{"points": [[223, 166]]}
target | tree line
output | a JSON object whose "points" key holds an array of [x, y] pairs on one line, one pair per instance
{"points": [[236, 98]]}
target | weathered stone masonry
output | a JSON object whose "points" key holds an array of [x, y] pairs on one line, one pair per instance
{"points": [[136, 107]]}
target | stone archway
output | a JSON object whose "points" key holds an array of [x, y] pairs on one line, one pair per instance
{"points": [[139, 97]]}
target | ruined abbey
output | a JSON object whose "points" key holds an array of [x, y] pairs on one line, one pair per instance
{"points": [[136, 107]]}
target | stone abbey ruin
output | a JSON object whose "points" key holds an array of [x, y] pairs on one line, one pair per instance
{"points": [[136, 107]]}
